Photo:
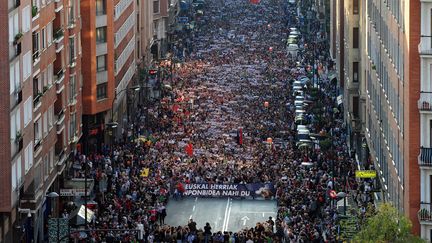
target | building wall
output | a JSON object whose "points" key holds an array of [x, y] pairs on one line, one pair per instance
{"points": [[425, 49], [91, 105], [33, 166], [412, 117], [388, 91], [145, 32]]}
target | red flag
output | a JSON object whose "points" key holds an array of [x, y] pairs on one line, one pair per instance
{"points": [[255, 1], [189, 149], [240, 136], [175, 107]]}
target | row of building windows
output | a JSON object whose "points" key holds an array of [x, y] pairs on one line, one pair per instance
{"points": [[388, 135], [380, 65], [384, 36]]}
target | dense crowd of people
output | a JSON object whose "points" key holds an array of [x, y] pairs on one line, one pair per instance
{"points": [[238, 62]]}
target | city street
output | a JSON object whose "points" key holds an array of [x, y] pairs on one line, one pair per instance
{"points": [[222, 214], [248, 114]]}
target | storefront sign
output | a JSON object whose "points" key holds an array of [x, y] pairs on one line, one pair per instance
{"points": [[365, 174], [73, 192], [256, 190]]}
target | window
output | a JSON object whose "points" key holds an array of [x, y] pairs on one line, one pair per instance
{"points": [[49, 30], [71, 12], [36, 43], [51, 158], [44, 38], [49, 74], [13, 176], [46, 166], [156, 6], [51, 117], [19, 173], [356, 37], [101, 35], [72, 88], [72, 126], [16, 174], [72, 53], [26, 17], [27, 63], [102, 91], [355, 104], [101, 63], [45, 124], [355, 6], [13, 26], [28, 111], [28, 157], [37, 86], [100, 7], [355, 72], [14, 77], [37, 131], [15, 124]]}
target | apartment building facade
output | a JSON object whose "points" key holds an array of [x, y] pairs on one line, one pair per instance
{"points": [[376, 48], [42, 111], [161, 11], [425, 99], [108, 25]]}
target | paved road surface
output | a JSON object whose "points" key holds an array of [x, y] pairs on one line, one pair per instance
{"points": [[222, 214]]}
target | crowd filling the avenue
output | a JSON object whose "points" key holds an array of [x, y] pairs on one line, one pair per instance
{"points": [[251, 104]]}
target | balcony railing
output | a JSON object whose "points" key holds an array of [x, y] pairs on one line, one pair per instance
{"points": [[58, 5], [37, 100], [424, 213], [425, 46], [425, 158], [59, 81], [36, 56], [425, 101]]}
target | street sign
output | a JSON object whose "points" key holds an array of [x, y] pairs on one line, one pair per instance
{"points": [[365, 174]]}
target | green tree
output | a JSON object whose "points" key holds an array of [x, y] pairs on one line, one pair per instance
{"points": [[387, 225]]}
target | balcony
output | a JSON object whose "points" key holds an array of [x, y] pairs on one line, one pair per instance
{"points": [[59, 77], [425, 101], [425, 157], [424, 213], [37, 147], [17, 144], [35, 13], [14, 4], [425, 46], [60, 121], [58, 39], [37, 101], [16, 51], [58, 5], [16, 97], [36, 57]]}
